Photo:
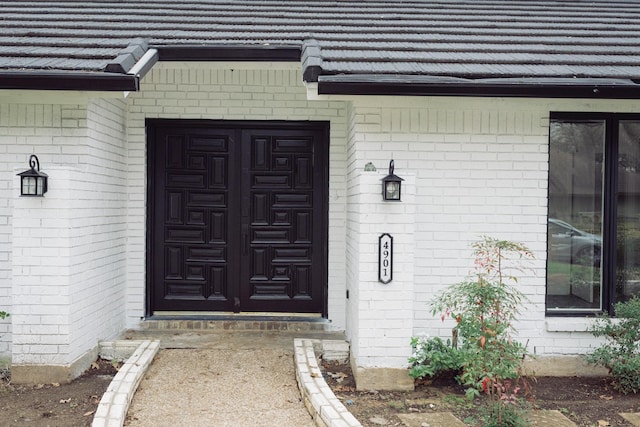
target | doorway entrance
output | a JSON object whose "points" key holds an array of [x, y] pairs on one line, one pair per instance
{"points": [[237, 216]]}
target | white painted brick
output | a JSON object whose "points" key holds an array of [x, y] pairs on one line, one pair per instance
{"points": [[97, 148], [474, 167], [501, 146]]}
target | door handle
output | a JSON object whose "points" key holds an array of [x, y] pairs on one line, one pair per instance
{"points": [[245, 241]]}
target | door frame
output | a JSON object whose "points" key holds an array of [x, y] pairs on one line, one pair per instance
{"points": [[321, 159]]}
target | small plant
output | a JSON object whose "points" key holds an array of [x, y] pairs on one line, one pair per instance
{"points": [[620, 353], [506, 408], [484, 307], [433, 357], [497, 415], [4, 315]]}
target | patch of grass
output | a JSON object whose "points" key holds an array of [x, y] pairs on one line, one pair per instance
{"points": [[460, 401], [396, 404], [470, 421]]}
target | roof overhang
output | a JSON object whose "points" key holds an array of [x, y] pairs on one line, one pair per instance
{"points": [[220, 53], [59, 80], [493, 87], [122, 75], [125, 71]]}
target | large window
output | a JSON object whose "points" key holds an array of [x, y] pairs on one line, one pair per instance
{"points": [[593, 241]]}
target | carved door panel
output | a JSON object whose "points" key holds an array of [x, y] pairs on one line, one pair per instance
{"points": [[281, 221], [237, 216], [193, 220]]}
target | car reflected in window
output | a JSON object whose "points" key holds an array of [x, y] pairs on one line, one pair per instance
{"points": [[571, 245]]}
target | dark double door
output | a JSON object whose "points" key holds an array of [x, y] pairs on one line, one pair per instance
{"points": [[237, 216]]}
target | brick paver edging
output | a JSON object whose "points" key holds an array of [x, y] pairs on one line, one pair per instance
{"points": [[324, 407], [115, 402]]}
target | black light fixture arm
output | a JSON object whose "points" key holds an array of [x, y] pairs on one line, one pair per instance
{"points": [[34, 162]]}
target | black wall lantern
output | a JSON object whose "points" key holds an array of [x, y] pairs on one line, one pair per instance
{"points": [[33, 183], [391, 186]]}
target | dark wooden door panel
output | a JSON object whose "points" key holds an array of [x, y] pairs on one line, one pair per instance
{"points": [[279, 177], [237, 216], [191, 219]]}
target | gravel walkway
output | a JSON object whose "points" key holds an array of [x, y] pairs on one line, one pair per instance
{"points": [[229, 382]]}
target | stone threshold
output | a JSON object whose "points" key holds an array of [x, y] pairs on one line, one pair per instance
{"points": [[240, 323]]}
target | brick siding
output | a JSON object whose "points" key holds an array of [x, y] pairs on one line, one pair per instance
{"points": [[66, 286], [471, 167]]}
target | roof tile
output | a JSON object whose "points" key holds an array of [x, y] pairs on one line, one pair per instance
{"points": [[465, 38]]}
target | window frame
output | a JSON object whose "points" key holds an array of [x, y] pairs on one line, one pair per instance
{"points": [[609, 206]]}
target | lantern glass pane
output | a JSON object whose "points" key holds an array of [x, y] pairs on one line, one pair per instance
{"points": [[393, 190], [39, 186], [29, 185]]}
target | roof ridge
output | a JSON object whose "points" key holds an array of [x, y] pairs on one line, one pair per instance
{"points": [[128, 57], [311, 60]]}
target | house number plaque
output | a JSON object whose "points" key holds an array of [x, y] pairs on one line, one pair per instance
{"points": [[385, 258]]}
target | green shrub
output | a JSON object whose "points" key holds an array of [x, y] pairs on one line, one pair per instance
{"points": [[433, 357], [484, 307], [620, 353], [3, 315]]}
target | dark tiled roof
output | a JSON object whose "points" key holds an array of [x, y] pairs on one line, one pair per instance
{"points": [[463, 39]]}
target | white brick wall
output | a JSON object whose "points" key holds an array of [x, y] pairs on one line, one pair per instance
{"points": [[472, 167], [24, 129], [480, 167], [383, 312], [68, 251], [41, 274], [99, 230], [242, 91], [5, 247], [352, 253]]}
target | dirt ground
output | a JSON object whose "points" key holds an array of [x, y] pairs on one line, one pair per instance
{"points": [[55, 405], [586, 401]]}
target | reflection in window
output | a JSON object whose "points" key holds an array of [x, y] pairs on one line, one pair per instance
{"points": [[575, 215], [627, 248], [594, 186]]}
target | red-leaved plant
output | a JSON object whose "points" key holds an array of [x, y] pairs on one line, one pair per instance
{"points": [[485, 306]]}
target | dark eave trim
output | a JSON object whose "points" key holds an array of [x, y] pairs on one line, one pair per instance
{"points": [[521, 88], [59, 80], [261, 53]]}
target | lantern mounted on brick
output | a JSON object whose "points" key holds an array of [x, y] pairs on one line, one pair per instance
{"points": [[33, 183], [391, 186]]}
